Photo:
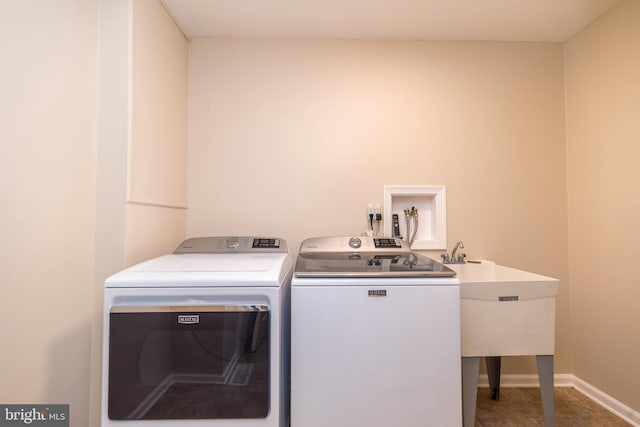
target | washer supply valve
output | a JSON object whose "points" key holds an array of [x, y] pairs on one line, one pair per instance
{"points": [[454, 259], [411, 217]]}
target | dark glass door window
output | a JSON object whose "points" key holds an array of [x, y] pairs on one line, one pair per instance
{"points": [[178, 363]]}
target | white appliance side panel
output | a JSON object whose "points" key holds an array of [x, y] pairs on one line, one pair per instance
{"points": [[358, 360]]}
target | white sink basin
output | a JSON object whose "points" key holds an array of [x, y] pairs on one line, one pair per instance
{"points": [[488, 281], [504, 311]]}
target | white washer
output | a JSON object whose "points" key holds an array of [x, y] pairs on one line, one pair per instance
{"points": [[375, 337], [199, 337]]}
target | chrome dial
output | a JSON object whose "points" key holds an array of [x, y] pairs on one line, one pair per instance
{"points": [[355, 242]]}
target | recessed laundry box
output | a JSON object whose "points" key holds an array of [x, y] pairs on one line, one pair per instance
{"points": [[199, 337]]}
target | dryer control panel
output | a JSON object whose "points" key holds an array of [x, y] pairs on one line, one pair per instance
{"points": [[231, 244]]}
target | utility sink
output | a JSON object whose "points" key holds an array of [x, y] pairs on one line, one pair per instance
{"points": [[505, 312]]}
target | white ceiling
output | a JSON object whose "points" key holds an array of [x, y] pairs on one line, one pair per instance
{"points": [[495, 20]]}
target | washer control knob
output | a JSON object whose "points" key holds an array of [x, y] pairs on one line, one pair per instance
{"points": [[355, 242]]}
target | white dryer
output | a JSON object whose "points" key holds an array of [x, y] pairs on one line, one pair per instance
{"points": [[199, 337], [375, 338]]}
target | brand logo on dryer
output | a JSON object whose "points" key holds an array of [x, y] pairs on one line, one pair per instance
{"points": [[188, 319]]}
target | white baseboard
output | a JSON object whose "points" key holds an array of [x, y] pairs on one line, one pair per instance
{"points": [[628, 414], [526, 380]]}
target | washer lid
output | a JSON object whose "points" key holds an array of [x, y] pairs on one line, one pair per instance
{"points": [[370, 265], [364, 257]]}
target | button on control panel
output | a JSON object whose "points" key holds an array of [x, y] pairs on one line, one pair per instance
{"points": [[386, 243], [266, 243]]}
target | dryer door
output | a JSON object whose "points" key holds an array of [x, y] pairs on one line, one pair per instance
{"points": [[188, 362]]}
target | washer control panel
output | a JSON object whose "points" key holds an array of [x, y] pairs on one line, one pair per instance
{"points": [[231, 244], [354, 244]]}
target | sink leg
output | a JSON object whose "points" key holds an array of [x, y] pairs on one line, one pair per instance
{"points": [[470, 371], [545, 376], [493, 372]]}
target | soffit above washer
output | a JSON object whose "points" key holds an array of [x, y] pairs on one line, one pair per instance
{"points": [[488, 20]]}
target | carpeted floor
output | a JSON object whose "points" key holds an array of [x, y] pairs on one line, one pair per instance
{"points": [[522, 407]]}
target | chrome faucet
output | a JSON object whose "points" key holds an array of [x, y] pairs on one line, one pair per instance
{"points": [[459, 245], [455, 258]]}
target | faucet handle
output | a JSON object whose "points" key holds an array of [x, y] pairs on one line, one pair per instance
{"points": [[445, 257], [461, 257]]}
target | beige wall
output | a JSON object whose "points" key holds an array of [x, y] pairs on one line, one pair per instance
{"points": [[141, 178], [113, 137], [294, 138], [157, 179], [48, 107], [603, 139]]}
